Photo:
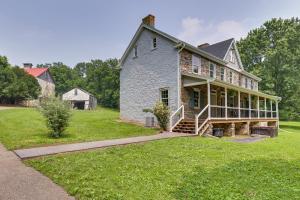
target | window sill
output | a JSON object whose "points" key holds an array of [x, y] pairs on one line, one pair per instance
{"points": [[153, 49], [134, 57]]}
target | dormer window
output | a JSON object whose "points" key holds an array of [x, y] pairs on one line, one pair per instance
{"points": [[135, 52], [231, 56], [154, 43], [196, 64], [246, 82], [212, 70]]}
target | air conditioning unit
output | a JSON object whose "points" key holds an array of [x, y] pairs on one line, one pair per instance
{"points": [[149, 122]]}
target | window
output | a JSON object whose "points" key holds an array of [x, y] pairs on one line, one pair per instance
{"points": [[251, 84], [164, 96], [212, 70], [154, 43], [196, 98], [196, 64], [231, 56], [135, 51], [230, 77], [75, 91], [246, 83], [222, 73]]}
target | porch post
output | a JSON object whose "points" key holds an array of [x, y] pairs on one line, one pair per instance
{"points": [[271, 108], [277, 111], [249, 97], [265, 107], [226, 115], [239, 103], [258, 114], [208, 99]]}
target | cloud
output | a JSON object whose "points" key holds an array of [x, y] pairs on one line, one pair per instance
{"points": [[196, 31]]}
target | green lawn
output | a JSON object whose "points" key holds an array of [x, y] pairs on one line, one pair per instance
{"points": [[24, 127], [183, 168]]}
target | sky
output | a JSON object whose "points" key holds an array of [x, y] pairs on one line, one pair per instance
{"points": [[73, 31]]}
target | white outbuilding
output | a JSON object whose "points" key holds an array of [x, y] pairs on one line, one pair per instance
{"points": [[80, 99]]}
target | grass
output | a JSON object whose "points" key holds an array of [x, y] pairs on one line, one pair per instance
{"points": [[24, 127], [183, 168]]}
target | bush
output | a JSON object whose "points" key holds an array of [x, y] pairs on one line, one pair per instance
{"points": [[162, 114], [57, 114]]}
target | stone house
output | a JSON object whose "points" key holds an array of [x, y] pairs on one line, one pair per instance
{"points": [[80, 99], [204, 86], [44, 79]]}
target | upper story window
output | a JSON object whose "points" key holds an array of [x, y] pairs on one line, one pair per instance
{"points": [[231, 56], [222, 71], [75, 91], [164, 96], [135, 51], [251, 84], [212, 70], [196, 64], [230, 77], [246, 82], [154, 43]]}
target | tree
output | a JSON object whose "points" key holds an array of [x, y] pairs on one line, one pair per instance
{"points": [[15, 84], [272, 52]]}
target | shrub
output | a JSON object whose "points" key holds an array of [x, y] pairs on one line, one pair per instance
{"points": [[57, 114], [162, 114]]}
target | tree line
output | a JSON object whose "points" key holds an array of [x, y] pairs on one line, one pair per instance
{"points": [[272, 52], [15, 84]]}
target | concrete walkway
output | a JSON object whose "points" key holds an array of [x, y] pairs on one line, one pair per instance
{"points": [[18, 182], [42, 151]]}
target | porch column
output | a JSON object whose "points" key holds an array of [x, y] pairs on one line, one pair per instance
{"points": [[249, 97], [208, 99], [239, 103], [265, 107], [258, 114], [226, 103], [271, 108], [277, 111]]}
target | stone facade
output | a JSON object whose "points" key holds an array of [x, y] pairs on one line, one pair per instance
{"points": [[237, 78]]}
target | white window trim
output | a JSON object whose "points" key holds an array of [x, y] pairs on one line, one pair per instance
{"points": [[198, 91], [214, 72], [160, 96], [246, 82], [198, 66], [231, 56], [231, 77]]}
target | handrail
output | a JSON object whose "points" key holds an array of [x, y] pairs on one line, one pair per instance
{"points": [[174, 113], [197, 129]]}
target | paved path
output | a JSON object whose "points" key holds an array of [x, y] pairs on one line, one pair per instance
{"points": [[42, 151], [18, 182], [250, 139]]}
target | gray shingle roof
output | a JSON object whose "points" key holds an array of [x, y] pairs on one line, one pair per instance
{"points": [[219, 49]]}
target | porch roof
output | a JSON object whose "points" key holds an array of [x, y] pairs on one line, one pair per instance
{"points": [[195, 79]]}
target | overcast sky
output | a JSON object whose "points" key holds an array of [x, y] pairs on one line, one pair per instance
{"points": [[72, 31]]}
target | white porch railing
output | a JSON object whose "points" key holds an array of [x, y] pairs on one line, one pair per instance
{"points": [[176, 117], [201, 119]]}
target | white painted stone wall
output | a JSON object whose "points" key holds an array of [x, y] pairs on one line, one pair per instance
{"points": [[142, 77], [47, 84]]}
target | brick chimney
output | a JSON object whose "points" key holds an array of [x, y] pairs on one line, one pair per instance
{"points": [[203, 45], [27, 65], [149, 20]]}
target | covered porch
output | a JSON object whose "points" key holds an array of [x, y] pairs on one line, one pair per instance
{"points": [[209, 102]]}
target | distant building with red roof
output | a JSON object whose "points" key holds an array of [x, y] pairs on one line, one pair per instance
{"points": [[44, 79]]}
